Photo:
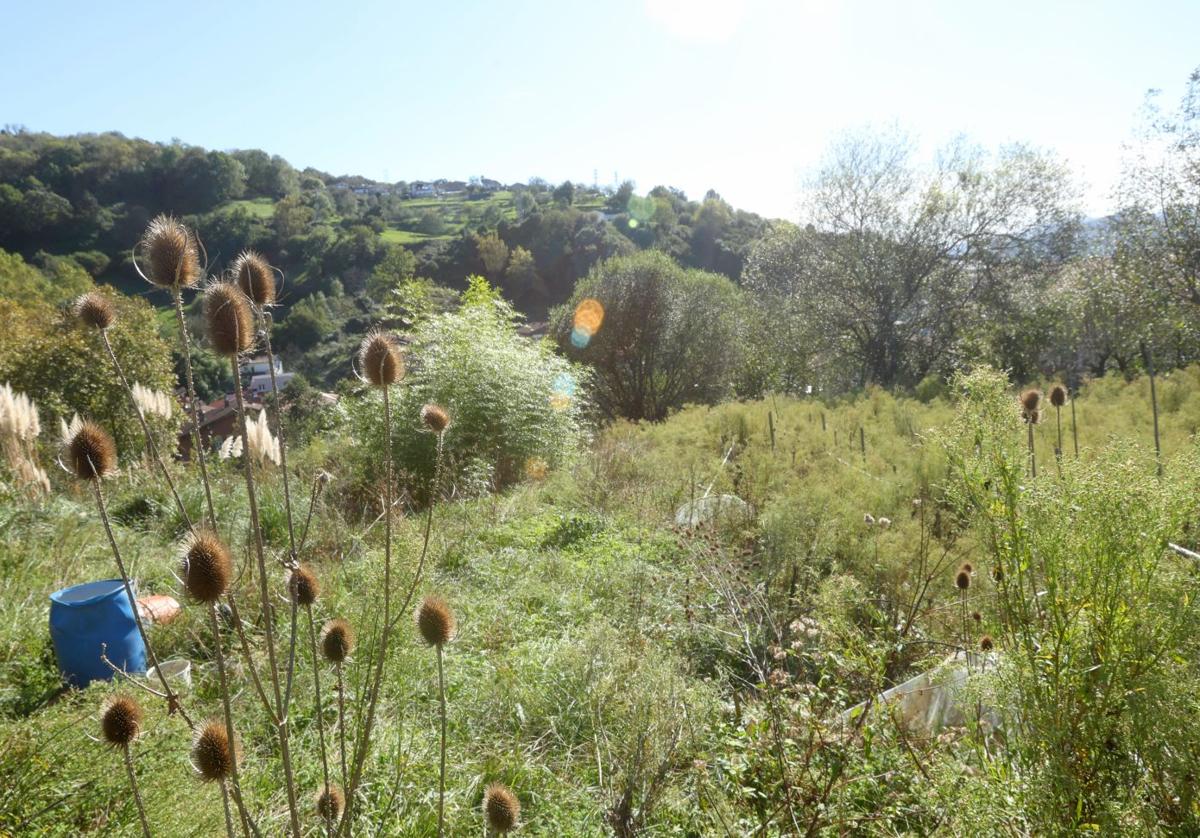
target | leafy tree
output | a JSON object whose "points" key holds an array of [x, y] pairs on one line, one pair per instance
{"points": [[397, 266], [57, 362], [657, 336], [897, 257], [493, 254], [564, 194]]}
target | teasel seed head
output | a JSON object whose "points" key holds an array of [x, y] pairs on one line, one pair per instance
{"points": [[337, 641], [213, 755], [435, 621], [435, 418], [967, 566], [330, 802], [986, 643], [91, 453], [228, 318], [501, 808], [206, 567], [1058, 395], [1031, 401], [121, 720], [95, 309], [976, 616], [255, 278], [303, 587], [172, 254], [997, 574], [380, 360], [963, 580]]}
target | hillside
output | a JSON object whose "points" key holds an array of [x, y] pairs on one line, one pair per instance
{"points": [[343, 243]]}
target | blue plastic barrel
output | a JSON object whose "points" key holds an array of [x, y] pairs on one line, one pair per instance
{"points": [[82, 618]]}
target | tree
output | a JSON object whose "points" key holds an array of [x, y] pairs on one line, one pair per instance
{"points": [[397, 266], [564, 194], [493, 255], [897, 258], [656, 335]]}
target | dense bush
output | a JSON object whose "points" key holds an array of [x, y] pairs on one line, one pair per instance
{"points": [[657, 336], [515, 405]]}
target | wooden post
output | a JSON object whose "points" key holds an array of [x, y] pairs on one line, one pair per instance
{"points": [[862, 442], [771, 425]]}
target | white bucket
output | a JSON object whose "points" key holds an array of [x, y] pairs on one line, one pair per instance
{"points": [[178, 673]]}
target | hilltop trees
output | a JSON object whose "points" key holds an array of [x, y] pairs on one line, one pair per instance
{"points": [[657, 336], [898, 258]]}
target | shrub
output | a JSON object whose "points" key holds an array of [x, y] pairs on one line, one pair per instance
{"points": [[511, 401], [658, 336]]}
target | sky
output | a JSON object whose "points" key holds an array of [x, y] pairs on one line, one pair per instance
{"points": [[741, 96]]}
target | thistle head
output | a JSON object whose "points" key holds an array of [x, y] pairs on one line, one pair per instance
{"points": [[120, 720], [962, 580], [330, 802], [213, 755], [206, 567], [501, 808], [435, 621], [228, 318], [254, 277], [380, 360], [91, 453], [303, 587], [172, 254], [1058, 395], [337, 641], [435, 418], [95, 309]]}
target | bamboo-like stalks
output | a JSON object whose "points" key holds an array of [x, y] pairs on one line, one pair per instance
{"points": [[173, 702], [137, 796], [264, 595], [1032, 453]]}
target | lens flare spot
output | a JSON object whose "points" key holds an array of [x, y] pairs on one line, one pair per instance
{"points": [[589, 314], [640, 209], [536, 468], [564, 383], [633, 223], [579, 338], [560, 402]]}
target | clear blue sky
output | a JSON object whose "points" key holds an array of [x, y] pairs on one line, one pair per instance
{"points": [[742, 97]]}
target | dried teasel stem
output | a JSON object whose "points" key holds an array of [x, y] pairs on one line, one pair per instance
{"points": [[320, 710], [185, 347], [235, 786], [137, 795], [265, 598], [1153, 407], [442, 766], [173, 702], [150, 443]]}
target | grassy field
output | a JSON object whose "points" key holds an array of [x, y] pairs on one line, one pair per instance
{"points": [[622, 674], [263, 208]]}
